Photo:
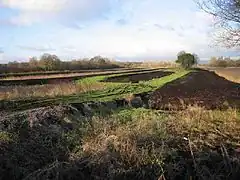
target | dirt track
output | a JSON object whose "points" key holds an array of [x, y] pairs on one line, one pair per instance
{"points": [[135, 78], [204, 88]]}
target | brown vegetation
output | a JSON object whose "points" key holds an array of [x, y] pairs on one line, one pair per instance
{"points": [[72, 75], [48, 62], [47, 90], [158, 64], [48, 73], [60, 78], [55, 143], [188, 144], [224, 62], [232, 74]]}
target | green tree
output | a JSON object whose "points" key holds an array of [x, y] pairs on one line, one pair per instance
{"points": [[186, 60]]}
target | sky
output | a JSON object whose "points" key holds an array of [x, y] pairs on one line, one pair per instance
{"points": [[127, 30]]}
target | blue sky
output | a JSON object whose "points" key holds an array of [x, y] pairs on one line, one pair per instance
{"points": [[120, 29]]}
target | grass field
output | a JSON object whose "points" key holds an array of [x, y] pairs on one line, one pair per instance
{"points": [[53, 75], [232, 74], [59, 78], [61, 86], [89, 89], [48, 73], [160, 124]]}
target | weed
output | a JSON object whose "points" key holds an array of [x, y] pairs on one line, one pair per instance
{"points": [[128, 144], [5, 137]]}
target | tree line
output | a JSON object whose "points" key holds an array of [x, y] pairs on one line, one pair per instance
{"points": [[224, 62], [50, 62]]}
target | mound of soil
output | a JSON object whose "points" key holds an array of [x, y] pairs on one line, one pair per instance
{"points": [[202, 88], [135, 78], [33, 139]]}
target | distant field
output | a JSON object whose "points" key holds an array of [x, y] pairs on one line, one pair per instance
{"points": [[65, 86], [87, 89], [232, 74], [39, 73], [59, 78], [57, 74], [198, 87]]}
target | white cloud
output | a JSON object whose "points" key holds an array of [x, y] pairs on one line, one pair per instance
{"points": [[35, 5], [107, 38], [31, 11], [136, 28], [25, 19], [140, 37], [45, 48]]}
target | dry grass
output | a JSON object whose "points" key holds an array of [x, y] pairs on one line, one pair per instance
{"points": [[129, 144], [84, 85], [207, 128], [47, 90], [69, 75], [45, 76], [49, 76], [231, 74], [147, 138], [108, 139], [158, 64]]}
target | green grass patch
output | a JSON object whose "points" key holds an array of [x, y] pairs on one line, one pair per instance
{"points": [[120, 90], [5, 137], [134, 114], [111, 91]]}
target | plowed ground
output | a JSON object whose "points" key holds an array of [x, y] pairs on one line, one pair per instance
{"points": [[202, 88], [135, 78]]}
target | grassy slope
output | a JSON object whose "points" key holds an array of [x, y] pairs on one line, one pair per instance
{"points": [[142, 137], [127, 144], [112, 91]]}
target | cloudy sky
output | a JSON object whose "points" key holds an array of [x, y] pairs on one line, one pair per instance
{"points": [[120, 29]]}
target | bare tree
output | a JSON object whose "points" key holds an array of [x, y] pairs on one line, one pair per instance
{"points": [[227, 15]]}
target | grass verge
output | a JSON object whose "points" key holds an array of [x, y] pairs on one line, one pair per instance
{"points": [[128, 144]]}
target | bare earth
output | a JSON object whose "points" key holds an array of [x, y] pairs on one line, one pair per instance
{"points": [[203, 88]]}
